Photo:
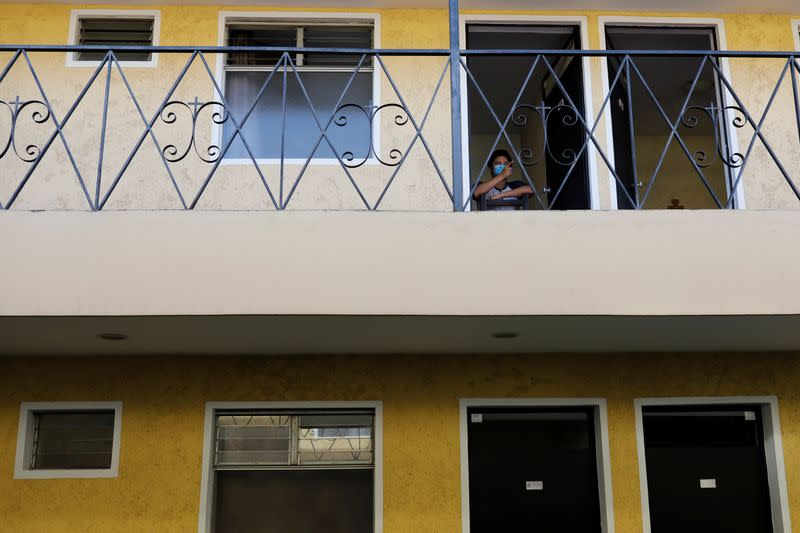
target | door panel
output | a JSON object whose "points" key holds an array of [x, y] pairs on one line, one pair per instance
{"points": [[554, 450], [723, 444]]}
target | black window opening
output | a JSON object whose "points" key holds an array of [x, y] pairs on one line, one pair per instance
{"points": [[78, 440], [547, 105], [323, 76], [294, 471], [640, 132], [533, 469], [707, 469], [115, 31]]}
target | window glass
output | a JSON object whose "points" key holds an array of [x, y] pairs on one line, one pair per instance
{"points": [[115, 31], [72, 440], [313, 86]]}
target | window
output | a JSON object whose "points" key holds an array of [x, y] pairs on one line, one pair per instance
{"points": [[68, 440], [292, 468], [113, 28], [323, 76]]}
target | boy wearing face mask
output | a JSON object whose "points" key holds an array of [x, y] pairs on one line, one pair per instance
{"points": [[498, 187]]}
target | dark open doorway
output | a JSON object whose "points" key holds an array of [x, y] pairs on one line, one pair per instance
{"points": [[655, 174], [533, 469], [707, 469], [545, 135]]}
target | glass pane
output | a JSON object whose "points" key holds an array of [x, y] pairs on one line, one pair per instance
{"points": [[260, 35], [299, 501], [263, 128], [253, 440], [115, 31], [336, 37], [73, 440], [335, 439]]}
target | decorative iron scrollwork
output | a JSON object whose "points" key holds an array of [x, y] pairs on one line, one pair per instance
{"points": [[213, 151], [718, 116], [341, 120], [569, 116], [38, 115]]}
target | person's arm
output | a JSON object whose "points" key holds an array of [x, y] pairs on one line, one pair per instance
{"points": [[514, 193], [487, 186]]}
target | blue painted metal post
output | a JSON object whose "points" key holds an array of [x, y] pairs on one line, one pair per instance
{"points": [[455, 107]]}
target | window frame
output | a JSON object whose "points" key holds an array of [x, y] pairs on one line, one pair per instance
{"points": [[796, 33], [773, 447], [720, 35], [296, 18], [208, 472], [74, 27], [582, 22], [25, 435]]}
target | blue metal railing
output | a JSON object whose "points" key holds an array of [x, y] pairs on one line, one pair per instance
{"points": [[726, 116]]}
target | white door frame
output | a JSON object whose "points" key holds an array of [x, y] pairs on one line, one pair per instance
{"points": [[601, 444], [207, 475], [554, 20], [773, 447], [796, 33], [666, 22]]}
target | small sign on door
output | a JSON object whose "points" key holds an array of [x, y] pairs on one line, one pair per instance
{"points": [[534, 485], [476, 418], [708, 483]]}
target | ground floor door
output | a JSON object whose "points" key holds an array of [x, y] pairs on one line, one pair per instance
{"points": [[706, 469], [533, 470]]}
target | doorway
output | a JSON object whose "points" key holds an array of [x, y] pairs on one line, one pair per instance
{"points": [[654, 172], [711, 468], [535, 469], [544, 135]]}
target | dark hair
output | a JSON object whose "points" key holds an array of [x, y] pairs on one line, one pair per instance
{"points": [[496, 154]]}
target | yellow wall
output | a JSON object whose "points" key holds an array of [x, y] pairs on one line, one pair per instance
{"points": [[158, 488]]}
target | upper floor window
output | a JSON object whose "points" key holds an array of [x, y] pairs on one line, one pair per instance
{"points": [[114, 28], [302, 94], [68, 440]]}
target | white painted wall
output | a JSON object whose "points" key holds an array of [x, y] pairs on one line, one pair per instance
{"points": [[576, 263]]}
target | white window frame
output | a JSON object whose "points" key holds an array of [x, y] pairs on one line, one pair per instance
{"points": [[601, 442], [25, 432], [665, 22], [207, 476], [288, 17], [796, 33], [773, 448], [554, 20], [77, 14]]}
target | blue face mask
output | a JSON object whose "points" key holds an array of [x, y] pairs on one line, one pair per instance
{"points": [[497, 169]]}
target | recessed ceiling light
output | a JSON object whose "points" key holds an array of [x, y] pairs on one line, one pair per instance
{"points": [[112, 336], [505, 335]]}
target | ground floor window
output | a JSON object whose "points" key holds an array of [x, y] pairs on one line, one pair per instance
{"points": [[293, 471]]}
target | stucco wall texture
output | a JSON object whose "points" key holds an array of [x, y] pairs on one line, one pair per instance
{"points": [[146, 185], [158, 488]]}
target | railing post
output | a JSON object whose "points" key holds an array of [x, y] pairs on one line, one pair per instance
{"points": [[455, 107]]}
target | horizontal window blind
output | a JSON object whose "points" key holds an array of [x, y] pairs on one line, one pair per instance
{"points": [[115, 32], [297, 439], [72, 440]]}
